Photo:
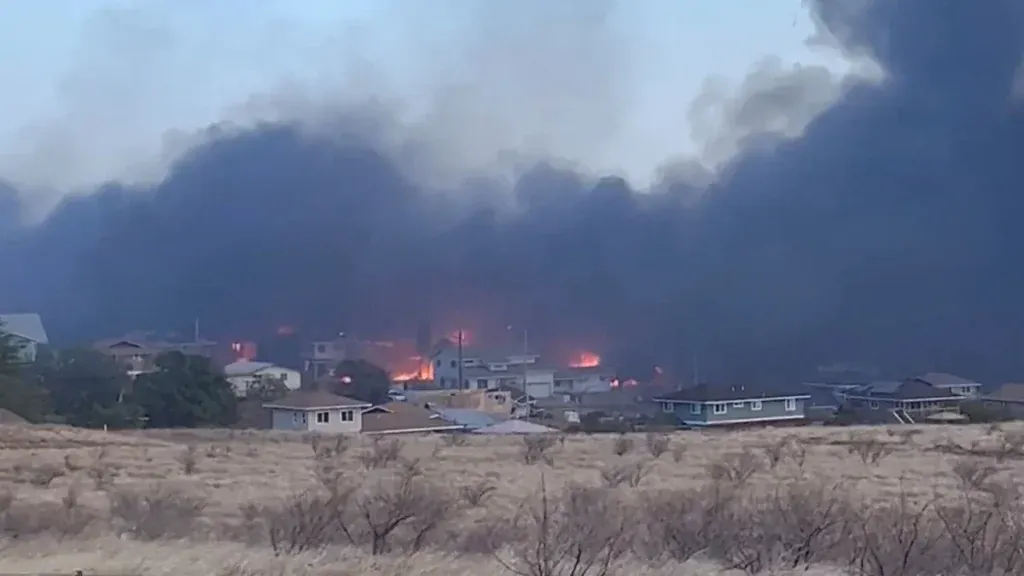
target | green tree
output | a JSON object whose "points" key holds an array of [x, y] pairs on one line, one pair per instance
{"points": [[18, 394], [88, 389], [362, 380], [185, 392], [266, 389]]}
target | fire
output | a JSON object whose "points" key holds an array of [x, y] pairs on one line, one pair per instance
{"points": [[585, 360], [424, 371]]}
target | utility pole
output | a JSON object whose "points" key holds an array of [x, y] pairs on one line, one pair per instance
{"points": [[459, 337], [195, 333], [696, 374]]}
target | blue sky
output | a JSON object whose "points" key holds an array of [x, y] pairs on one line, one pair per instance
{"points": [[99, 84]]}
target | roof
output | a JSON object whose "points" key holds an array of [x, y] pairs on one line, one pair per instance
{"points": [[1011, 392], [580, 371], [396, 417], [943, 380], [822, 397], [246, 368], [727, 392], [515, 427], [303, 400], [468, 418], [28, 326], [911, 388]]}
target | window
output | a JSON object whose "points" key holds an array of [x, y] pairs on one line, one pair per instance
{"points": [[297, 417], [666, 407], [320, 348], [346, 416], [790, 404], [694, 408], [719, 408], [755, 405], [437, 363], [453, 363], [323, 417], [442, 382], [874, 405], [738, 404], [481, 384]]}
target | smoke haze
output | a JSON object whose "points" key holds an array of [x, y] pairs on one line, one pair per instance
{"points": [[825, 220]]}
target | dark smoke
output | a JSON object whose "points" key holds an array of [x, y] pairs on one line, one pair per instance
{"points": [[888, 232]]}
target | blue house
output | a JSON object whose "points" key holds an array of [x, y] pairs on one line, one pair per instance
{"points": [[739, 404]]}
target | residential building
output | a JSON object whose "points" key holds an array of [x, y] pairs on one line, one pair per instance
{"points": [[737, 404], [958, 385], [137, 354], [320, 358], [618, 403], [901, 402], [317, 412], [247, 374], [1008, 399], [27, 332], [403, 418], [501, 364], [519, 427], [583, 380], [467, 418], [506, 401]]}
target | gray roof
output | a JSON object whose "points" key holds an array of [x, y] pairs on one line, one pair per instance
{"points": [[943, 380], [515, 427], [302, 400], [471, 419], [245, 368], [912, 388], [28, 326], [728, 392]]}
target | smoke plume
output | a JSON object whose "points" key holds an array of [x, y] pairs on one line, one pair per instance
{"points": [[880, 226]]}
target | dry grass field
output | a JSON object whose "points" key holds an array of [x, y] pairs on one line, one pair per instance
{"points": [[874, 501]]}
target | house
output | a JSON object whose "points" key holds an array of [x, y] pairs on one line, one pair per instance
{"points": [[823, 402], [899, 402], [505, 366], [403, 418], [583, 380], [317, 412], [320, 358], [468, 419], [1008, 398], [246, 374], [504, 401], [27, 333], [137, 354], [955, 384], [620, 403], [515, 427], [737, 404]]}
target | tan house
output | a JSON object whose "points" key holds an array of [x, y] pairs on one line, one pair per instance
{"points": [[317, 412], [505, 401], [403, 418]]}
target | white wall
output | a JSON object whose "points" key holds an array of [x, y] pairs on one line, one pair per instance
{"points": [[291, 378], [308, 421], [540, 383]]}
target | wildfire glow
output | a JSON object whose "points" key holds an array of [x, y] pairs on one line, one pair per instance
{"points": [[424, 371], [585, 360], [467, 337]]}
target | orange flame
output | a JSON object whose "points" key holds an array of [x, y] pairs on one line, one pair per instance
{"points": [[424, 371], [585, 360]]}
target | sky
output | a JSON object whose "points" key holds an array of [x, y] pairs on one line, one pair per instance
{"points": [[112, 89]]}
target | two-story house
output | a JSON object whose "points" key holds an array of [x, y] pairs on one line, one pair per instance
{"points": [[27, 333], [138, 354], [321, 357], [708, 405], [583, 380], [906, 401]]}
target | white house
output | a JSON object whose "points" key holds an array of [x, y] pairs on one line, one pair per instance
{"points": [[317, 412], [28, 333], [245, 374], [477, 364]]}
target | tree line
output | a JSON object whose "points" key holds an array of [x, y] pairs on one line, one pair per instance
{"points": [[85, 388]]}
